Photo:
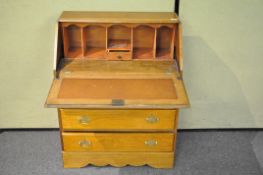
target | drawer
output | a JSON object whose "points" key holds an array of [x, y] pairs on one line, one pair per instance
{"points": [[118, 55], [118, 141], [77, 119]]}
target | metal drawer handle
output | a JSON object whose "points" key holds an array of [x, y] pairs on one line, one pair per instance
{"points": [[151, 142], [84, 143], [152, 119], [84, 120]]}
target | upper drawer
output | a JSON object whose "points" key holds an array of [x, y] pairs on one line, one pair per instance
{"points": [[118, 141], [119, 119]]}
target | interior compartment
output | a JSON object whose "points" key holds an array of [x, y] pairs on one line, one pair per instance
{"points": [[164, 43], [72, 41], [95, 41], [143, 42], [119, 38]]}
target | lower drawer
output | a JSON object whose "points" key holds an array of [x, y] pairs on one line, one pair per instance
{"points": [[118, 141]]}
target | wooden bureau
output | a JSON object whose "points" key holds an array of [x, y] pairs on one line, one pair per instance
{"points": [[118, 88]]}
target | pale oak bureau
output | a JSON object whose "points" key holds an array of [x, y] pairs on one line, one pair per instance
{"points": [[118, 88]]}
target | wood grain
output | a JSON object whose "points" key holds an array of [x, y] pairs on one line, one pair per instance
{"points": [[120, 70], [72, 41], [119, 17], [74, 88], [164, 44], [143, 42], [92, 41], [118, 141], [118, 120], [90, 68], [58, 49], [179, 46], [118, 159], [120, 55]]}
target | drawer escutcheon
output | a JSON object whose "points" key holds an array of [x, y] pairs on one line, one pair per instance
{"points": [[84, 143], [151, 142], [84, 120], [152, 119]]}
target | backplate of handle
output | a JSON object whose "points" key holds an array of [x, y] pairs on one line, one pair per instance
{"points": [[84, 120], [151, 142], [84, 143], [152, 119]]}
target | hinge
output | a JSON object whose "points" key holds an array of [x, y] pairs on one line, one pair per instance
{"points": [[56, 74]]}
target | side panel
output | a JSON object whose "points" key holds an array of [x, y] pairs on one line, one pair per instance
{"points": [[58, 46], [178, 46]]}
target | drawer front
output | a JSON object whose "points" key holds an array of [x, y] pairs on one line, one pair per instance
{"points": [[118, 55], [74, 119], [118, 141]]}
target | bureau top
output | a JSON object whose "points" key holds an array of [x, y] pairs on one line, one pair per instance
{"points": [[119, 17]]}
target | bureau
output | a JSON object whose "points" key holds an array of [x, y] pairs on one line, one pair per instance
{"points": [[118, 88]]}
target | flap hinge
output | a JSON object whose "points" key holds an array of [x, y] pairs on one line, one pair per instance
{"points": [[117, 102]]}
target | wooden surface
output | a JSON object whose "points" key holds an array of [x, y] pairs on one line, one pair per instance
{"points": [[58, 49], [95, 36], [179, 46], [94, 42], [119, 17], [72, 36], [118, 120], [89, 68], [95, 53], [143, 42], [106, 70], [119, 44], [119, 37], [143, 53], [149, 142], [125, 89], [138, 101], [144, 37], [164, 43], [138, 41], [118, 159], [121, 54]]}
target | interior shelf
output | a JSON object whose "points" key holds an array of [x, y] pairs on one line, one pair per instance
{"points": [[119, 38], [163, 53], [143, 42], [164, 43], [72, 41], [94, 41], [143, 53], [119, 44], [74, 52], [95, 52]]}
